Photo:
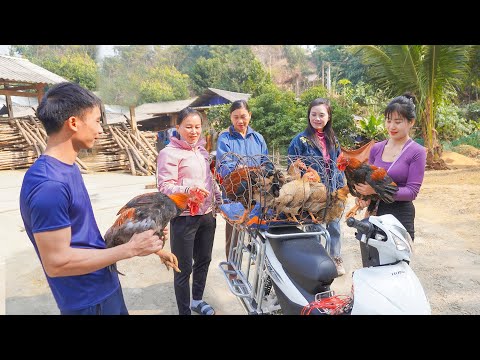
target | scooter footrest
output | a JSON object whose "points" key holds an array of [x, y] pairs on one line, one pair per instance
{"points": [[236, 281]]}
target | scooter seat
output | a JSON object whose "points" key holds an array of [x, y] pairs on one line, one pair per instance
{"points": [[304, 259]]}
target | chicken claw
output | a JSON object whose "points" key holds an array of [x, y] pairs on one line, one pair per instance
{"points": [[169, 265], [353, 211], [169, 259]]}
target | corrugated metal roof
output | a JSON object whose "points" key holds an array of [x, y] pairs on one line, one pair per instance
{"points": [[165, 107], [22, 70], [231, 96], [117, 109], [113, 118]]}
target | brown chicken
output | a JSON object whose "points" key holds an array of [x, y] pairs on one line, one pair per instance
{"points": [[317, 200], [336, 204], [238, 182], [267, 188], [293, 194], [149, 211], [252, 185], [358, 172]]}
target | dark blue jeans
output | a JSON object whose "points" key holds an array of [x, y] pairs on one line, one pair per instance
{"points": [[113, 305]]}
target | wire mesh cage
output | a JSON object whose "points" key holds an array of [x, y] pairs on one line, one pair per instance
{"points": [[264, 191]]}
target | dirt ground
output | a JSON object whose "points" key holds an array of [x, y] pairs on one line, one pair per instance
{"points": [[446, 259]]}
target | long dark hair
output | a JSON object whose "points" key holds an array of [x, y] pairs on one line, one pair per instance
{"points": [[404, 105], [329, 134]]}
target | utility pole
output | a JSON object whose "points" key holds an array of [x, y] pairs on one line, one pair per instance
{"points": [[329, 80], [323, 72]]}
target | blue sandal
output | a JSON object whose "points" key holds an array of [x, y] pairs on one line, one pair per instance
{"points": [[203, 309]]}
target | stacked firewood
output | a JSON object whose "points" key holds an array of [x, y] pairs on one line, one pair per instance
{"points": [[121, 148], [23, 140], [15, 152]]}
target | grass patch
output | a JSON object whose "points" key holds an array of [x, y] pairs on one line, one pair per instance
{"points": [[472, 140]]}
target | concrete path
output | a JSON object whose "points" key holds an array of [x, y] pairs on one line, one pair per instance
{"points": [[148, 286]]}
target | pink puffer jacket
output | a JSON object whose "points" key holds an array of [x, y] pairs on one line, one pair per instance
{"points": [[180, 166]]}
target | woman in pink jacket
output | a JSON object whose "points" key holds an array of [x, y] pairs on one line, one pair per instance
{"points": [[183, 166]]}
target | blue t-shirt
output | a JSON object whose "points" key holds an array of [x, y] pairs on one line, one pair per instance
{"points": [[53, 196]]}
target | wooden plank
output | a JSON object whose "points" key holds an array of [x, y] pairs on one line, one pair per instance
{"points": [[9, 106]]}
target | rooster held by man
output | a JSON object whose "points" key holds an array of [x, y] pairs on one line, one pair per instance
{"points": [[151, 211]]}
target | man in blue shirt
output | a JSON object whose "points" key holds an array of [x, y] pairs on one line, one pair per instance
{"points": [[58, 215]]}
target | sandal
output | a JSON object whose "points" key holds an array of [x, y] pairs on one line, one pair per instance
{"points": [[203, 309]]}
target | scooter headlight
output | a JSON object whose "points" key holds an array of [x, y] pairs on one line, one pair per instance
{"points": [[403, 243]]}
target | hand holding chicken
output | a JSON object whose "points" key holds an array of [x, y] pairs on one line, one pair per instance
{"points": [[151, 211]]}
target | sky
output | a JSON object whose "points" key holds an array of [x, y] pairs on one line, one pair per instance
{"points": [[105, 50], [4, 49]]}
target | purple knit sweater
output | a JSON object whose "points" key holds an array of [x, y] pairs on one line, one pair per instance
{"points": [[407, 172]]}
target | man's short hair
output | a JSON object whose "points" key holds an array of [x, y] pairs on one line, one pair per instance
{"points": [[62, 101]]}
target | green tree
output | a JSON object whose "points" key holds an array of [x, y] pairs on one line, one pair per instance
{"points": [[231, 68], [219, 117], [344, 63], [73, 62], [276, 116], [431, 72], [37, 52], [140, 74], [75, 67], [163, 83], [469, 89]]}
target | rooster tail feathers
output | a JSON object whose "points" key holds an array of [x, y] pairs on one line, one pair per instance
{"points": [[180, 200], [113, 268]]}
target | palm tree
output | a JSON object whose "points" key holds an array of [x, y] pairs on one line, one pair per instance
{"points": [[431, 72]]}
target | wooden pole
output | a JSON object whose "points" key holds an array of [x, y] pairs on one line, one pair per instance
{"points": [[323, 72], [40, 89], [9, 106], [329, 80], [133, 121], [103, 117]]}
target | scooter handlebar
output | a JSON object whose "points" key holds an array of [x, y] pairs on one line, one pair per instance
{"points": [[363, 227]]}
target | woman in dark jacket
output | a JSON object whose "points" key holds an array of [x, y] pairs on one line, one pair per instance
{"points": [[318, 140]]}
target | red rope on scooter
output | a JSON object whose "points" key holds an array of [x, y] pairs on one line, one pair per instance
{"points": [[334, 305]]}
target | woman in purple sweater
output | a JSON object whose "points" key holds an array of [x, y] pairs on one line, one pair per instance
{"points": [[404, 161]]}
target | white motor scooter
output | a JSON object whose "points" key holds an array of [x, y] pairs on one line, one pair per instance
{"points": [[388, 285], [287, 270]]}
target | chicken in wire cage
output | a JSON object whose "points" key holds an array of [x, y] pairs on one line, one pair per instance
{"points": [[263, 190]]}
